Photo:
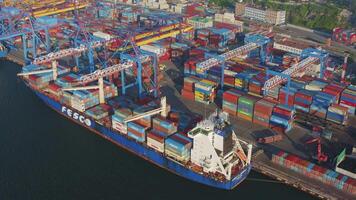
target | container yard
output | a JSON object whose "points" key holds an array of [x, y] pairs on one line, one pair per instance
{"points": [[190, 91]]}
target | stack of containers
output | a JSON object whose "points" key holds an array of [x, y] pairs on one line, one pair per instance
{"points": [[348, 99], [98, 112], [230, 100], [303, 99], [164, 125], [224, 36], [242, 80], [54, 89], [178, 146], [255, 87], [229, 77], [213, 73], [188, 87], [145, 121], [262, 112], [156, 140], [117, 120], [42, 80], [66, 98], [84, 99], [202, 36], [205, 91], [282, 118], [321, 102], [67, 80], [335, 90], [316, 85], [256, 84], [137, 131], [245, 108], [314, 171], [283, 93], [337, 114]]}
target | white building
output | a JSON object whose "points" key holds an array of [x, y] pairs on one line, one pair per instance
{"points": [[268, 16]]}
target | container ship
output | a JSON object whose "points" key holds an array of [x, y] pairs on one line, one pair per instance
{"points": [[209, 153]]}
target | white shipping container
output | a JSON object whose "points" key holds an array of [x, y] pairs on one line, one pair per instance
{"points": [[152, 48], [229, 72], [313, 87], [119, 126], [78, 106], [204, 87], [102, 35], [155, 144]]}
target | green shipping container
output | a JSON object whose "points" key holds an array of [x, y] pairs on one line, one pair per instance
{"points": [[246, 105]]}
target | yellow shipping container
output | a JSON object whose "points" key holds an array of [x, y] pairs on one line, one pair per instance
{"points": [[208, 82]]}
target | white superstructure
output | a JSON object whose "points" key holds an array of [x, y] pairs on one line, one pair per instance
{"points": [[215, 146]]}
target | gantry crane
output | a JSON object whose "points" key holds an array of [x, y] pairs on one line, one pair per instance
{"points": [[344, 68], [309, 56], [163, 110], [253, 42], [99, 76], [15, 23], [139, 57], [140, 40]]}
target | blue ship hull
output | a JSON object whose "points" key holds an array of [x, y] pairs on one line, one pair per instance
{"points": [[141, 150]]}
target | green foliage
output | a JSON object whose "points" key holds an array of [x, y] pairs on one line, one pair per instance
{"points": [[312, 15], [222, 3]]}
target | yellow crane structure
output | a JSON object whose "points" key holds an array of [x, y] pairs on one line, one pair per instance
{"points": [[45, 7], [59, 10]]}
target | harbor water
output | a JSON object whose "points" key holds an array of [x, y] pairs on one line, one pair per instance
{"points": [[45, 156]]}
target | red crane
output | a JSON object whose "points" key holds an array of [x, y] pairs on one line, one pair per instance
{"points": [[344, 68], [321, 157]]}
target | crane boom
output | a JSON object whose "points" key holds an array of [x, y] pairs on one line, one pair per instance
{"points": [[164, 109], [35, 72], [292, 71], [104, 72], [69, 52], [205, 65]]}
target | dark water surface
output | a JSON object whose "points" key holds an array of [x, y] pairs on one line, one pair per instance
{"points": [[45, 156]]}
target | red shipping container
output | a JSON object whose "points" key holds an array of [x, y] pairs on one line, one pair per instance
{"points": [[232, 95], [282, 98], [188, 95], [229, 79], [282, 111], [264, 106], [304, 96]]}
